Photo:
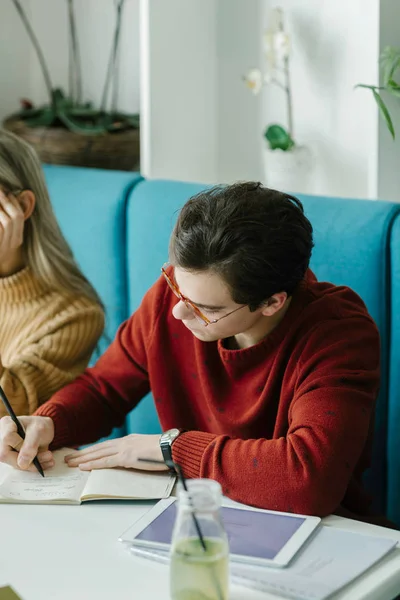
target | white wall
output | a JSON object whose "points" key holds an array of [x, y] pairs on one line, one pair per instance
{"points": [[199, 122], [21, 75], [388, 159], [335, 46], [179, 89], [14, 61], [239, 28]]}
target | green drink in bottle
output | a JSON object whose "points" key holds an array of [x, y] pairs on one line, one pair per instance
{"points": [[199, 573]]}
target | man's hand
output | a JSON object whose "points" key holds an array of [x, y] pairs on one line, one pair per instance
{"points": [[121, 452], [11, 225], [39, 433]]}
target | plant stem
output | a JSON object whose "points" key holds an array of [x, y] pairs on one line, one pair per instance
{"points": [[276, 81], [288, 88], [71, 83], [36, 45], [112, 60], [76, 72], [71, 67], [114, 101]]}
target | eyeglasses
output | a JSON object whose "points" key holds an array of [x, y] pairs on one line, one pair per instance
{"points": [[190, 305]]}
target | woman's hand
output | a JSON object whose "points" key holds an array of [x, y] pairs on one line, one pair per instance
{"points": [[39, 433], [121, 452], [11, 225]]}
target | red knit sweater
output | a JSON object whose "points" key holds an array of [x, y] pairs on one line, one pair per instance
{"points": [[282, 425]]}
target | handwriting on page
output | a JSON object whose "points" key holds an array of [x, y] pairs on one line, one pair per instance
{"points": [[31, 487]]}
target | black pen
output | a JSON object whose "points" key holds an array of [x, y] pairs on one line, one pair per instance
{"points": [[20, 429]]}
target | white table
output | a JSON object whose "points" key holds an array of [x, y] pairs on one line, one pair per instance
{"points": [[72, 552]]}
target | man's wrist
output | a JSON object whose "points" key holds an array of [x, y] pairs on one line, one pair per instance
{"points": [[166, 441]]}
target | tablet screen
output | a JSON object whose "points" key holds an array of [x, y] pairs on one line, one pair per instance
{"points": [[250, 533]]}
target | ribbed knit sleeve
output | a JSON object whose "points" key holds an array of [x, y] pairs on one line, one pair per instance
{"points": [[47, 341], [101, 397]]}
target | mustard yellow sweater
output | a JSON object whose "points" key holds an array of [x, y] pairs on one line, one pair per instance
{"points": [[46, 339]]}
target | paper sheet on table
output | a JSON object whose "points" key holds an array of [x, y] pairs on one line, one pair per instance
{"points": [[331, 560]]}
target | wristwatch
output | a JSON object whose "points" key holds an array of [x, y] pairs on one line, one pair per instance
{"points": [[166, 440]]}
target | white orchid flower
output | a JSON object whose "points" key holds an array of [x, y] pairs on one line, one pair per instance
{"points": [[276, 47], [276, 40], [254, 80], [281, 46]]}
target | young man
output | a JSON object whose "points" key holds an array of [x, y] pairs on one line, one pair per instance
{"points": [[264, 379]]}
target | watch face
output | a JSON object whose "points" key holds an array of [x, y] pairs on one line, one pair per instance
{"points": [[171, 434], [166, 440]]}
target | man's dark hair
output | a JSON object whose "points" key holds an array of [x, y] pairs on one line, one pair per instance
{"points": [[258, 240]]}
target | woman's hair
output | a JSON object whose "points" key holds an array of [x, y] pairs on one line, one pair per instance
{"points": [[258, 240], [46, 251]]}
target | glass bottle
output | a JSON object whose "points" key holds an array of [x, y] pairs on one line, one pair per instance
{"points": [[199, 573]]}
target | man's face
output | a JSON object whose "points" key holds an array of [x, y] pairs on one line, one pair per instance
{"points": [[211, 295]]}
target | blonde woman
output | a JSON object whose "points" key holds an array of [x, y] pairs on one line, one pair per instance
{"points": [[50, 316]]}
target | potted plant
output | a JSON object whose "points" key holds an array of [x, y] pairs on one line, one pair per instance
{"points": [[69, 130], [287, 165], [390, 66]]}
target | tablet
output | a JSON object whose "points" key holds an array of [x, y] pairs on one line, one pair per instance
{"points": [[257, 537]]}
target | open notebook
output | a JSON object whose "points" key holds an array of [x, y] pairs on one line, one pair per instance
{"points": [[65, 485]]}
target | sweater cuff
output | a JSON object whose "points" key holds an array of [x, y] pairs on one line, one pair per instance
{"points": [[188, 450], [62, 436]]}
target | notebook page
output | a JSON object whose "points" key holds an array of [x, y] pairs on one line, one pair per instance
{"points": [[332, 559], [128, 484], [61, 483]]}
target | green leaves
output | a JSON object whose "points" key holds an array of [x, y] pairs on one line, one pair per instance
{"points": [[69, 111], [384, 111], [390, 63], [394, 88], [278, 138], [44, 117], [381, 105], [79, 118]]}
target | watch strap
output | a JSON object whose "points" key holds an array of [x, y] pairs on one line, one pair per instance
{"points": [[166, 440]]}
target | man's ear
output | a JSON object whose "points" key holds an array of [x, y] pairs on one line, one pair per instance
{"points": [[27, 202], [274, 303]]}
